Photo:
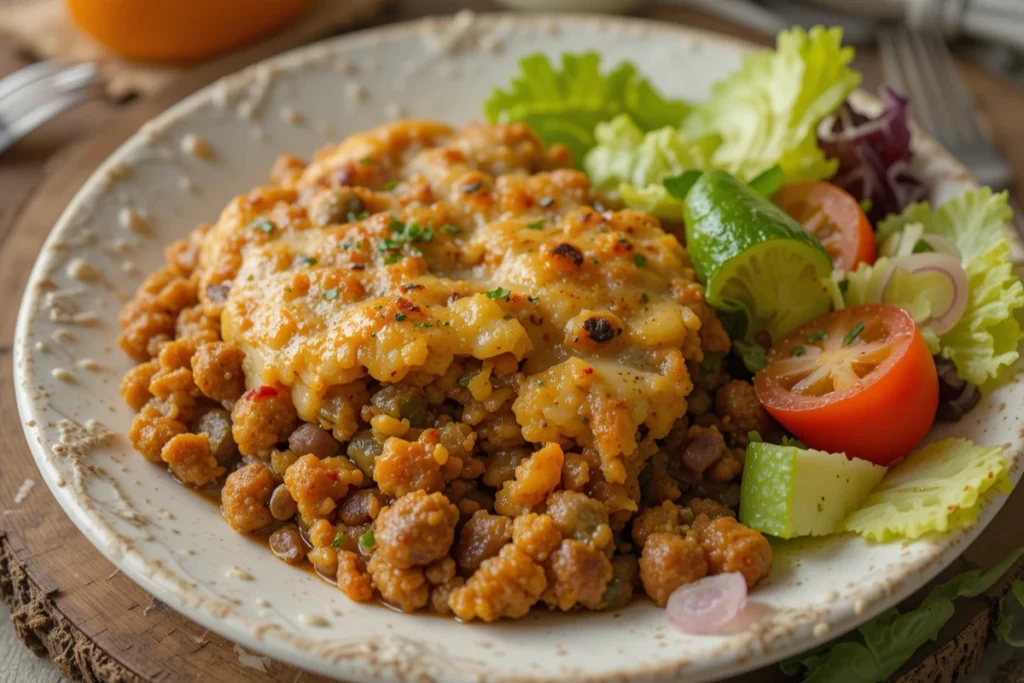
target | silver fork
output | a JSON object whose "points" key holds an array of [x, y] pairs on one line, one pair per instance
{"points": [[32, 96], [919, 64]]}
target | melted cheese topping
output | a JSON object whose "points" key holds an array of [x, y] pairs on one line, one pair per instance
{"points": [[410, 246]]}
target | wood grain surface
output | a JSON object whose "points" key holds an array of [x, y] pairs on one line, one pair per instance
{"points": [[69, 603]]}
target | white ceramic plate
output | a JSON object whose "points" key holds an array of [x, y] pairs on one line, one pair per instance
{"points": [[173, 542]]}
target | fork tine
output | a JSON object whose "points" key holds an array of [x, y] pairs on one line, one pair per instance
{"points": [[963, 107], [946, 128], [902, 71], [30, 74]]}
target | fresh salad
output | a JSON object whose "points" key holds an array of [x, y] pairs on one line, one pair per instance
{"points": [[862, 313]]}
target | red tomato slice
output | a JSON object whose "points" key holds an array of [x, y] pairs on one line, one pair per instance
{"points": [[831, 214], [858, 381]]}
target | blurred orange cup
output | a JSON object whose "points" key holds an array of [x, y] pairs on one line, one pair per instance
{"points": [[179, 30]]}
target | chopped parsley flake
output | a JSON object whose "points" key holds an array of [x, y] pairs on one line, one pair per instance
{"points": [[798, 351], [392, 259], [400, 317], [331, 294], [339, 539], [596, 262], [307, 260], [263, 225], [367, 540], [450, 229], [585, 420], [391, 184], [536, 225], [623, 240], [415, 325], [533, 299], [644, 298], [464, 382], [366, 161], [361, 216], [640, 260], [820, 335], [507, 316], [498, 293], [852, 334]]}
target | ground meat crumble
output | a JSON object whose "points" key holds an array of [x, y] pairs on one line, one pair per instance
{"points": [[435, 455]]}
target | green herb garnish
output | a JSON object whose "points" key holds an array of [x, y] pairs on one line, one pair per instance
{"points": [[391, 184], [852, 334], [536, 225], [263, 225], [339, 539], [820, 335], [640, 260], [331, 294], [450, 229], [498, 293], [307, 260], [400, 317], [798, 351]]}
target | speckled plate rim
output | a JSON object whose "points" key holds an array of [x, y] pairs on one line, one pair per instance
{"points": [[367, 659]]}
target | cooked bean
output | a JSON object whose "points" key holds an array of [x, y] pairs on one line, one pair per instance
{"points": [[310, 438], [363, 449], [217, 425], [282, 505], [287, 544], [359, 507], [703, 452]]}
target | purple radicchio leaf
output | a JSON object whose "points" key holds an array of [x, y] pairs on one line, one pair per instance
{"points": [[874, 155]]}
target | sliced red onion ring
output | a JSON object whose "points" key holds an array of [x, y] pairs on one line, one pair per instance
{"points": [[708, 604], [945, 264]]}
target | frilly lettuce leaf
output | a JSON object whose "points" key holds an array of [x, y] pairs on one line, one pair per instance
{"points": [[939, 487], [766, 113], [565, 106], [985, 340], [973, 221], [761, 116], [632, 164], [891, 638]]}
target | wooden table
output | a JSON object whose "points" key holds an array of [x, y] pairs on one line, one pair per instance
{"points": [[129, 637]]}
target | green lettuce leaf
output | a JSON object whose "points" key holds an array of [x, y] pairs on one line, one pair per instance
{"points": [[1010, 627], [628, 163], [566, 105], [766, 113], [763, 115], [889, 640], [940, 487], [984, 342]]}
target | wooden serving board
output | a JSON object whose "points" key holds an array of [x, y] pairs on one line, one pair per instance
{"points": [[71, 604]]}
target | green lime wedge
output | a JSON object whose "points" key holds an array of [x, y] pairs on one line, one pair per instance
{"points": [[789, 492], [758, 265]]}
